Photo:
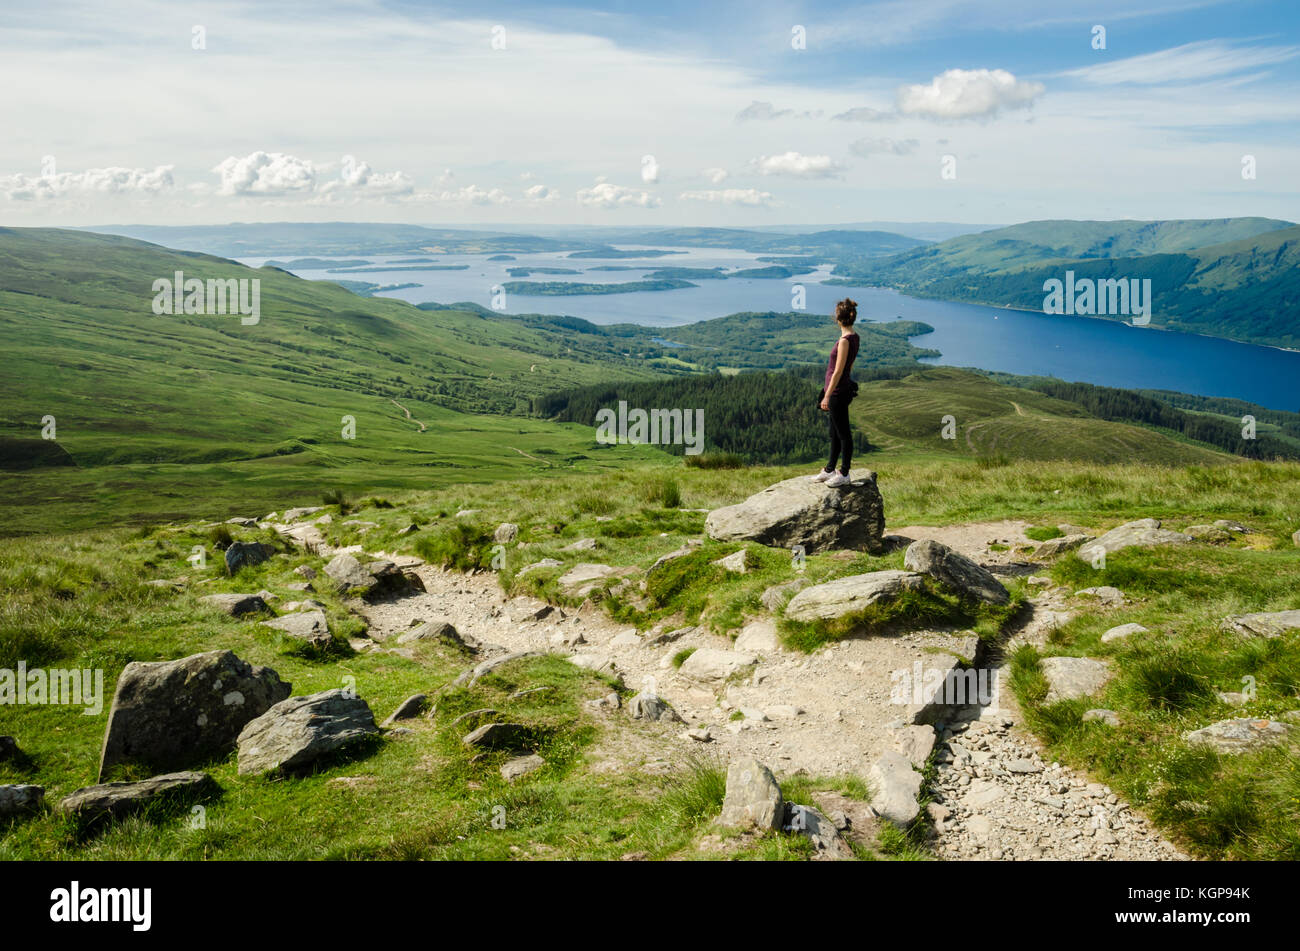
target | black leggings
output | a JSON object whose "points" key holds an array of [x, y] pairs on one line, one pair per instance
{"points": [[841, 434]]}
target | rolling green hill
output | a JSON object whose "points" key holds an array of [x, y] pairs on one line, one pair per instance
{"points": [[172, 414], [1235, 277]]}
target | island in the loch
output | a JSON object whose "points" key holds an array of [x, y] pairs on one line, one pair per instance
{"points": [[567, 288]]}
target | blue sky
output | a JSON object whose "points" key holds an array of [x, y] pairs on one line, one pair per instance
{"points": [[668, 113]]}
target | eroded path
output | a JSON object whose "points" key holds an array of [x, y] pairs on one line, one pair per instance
{"points": [[827, 713]]}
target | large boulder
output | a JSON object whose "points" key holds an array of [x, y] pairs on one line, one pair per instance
{"points": [[1070, 678], [1059, 546], [954, 570], [753, 797], [1144, 533], [813, 825], [296, 732], [1243, 735], [118, 800], [801, 512], [370, 579], [240, 554], [168, 715], [585, 577], [852, 593], [1268, 624]]}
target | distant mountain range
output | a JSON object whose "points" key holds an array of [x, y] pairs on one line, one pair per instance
{"points": [[1228, 277]]}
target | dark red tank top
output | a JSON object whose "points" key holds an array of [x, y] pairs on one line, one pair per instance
{"points": [[843, 387]]}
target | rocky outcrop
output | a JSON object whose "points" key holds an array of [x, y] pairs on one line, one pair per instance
{"points": [[441, 631], [1243, 735], [647, 706], [753, 797], [849, 594], [500, 736], [1059, 546], [954, 571], [172, 714], [371, 579], [1121, 632], [119, 800], [1144, 533], [583, 578], [408, 709], [1267, 624], [800, 512], [294, 733]]}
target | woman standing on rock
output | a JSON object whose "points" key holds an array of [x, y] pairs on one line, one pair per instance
{"points": [[838, 392]]}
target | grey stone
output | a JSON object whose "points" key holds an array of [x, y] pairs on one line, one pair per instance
{"points": [[1242, 735], [777, 595], [296, 732], [810, 823], [667, 637], [759, 636], [849, 594], [1121, 632], [1144, 533], [538, 565], [506, 533], [237, 605], [753, 797], [1071, 678], [1264, 624], [737, 562], [441, 631], [582, 544], [472, 676], [1103, 593], [1230, 526], [500, 736], [1059, 546], [519, 766], [895, 786], [309, 626], [584, 577], [647, 706], [240, 554], [710, 665], [20, 798], [408, 709], [119, 800], [1108, 717], [292, 515], [954, 570], [800, 512], [915, 742], [168, 715]]}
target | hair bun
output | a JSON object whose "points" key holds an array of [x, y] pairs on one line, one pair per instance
{"points": [[846, 311]]}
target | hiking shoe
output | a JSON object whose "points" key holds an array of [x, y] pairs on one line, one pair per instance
{"points": [[821, 476], [838, 480]]}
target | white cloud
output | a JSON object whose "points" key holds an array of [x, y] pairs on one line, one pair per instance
{"points": [[357, 179], [92, 181], [716, 175], [883, 146], [470, 194], [1190, 62], [649, 170], [968, 94], [797, 165], [266, 173], [607, 195], [865, 114], [765, 110], [730, 196], [541, 193]]}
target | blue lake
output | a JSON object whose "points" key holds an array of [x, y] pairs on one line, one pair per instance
{"points": [[1070, 348]]}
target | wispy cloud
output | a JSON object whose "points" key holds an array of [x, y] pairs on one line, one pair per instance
{"points": [[1190, 62], [968, 94]]}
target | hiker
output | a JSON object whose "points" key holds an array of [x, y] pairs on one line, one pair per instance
{"points": [[836, 394]]}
